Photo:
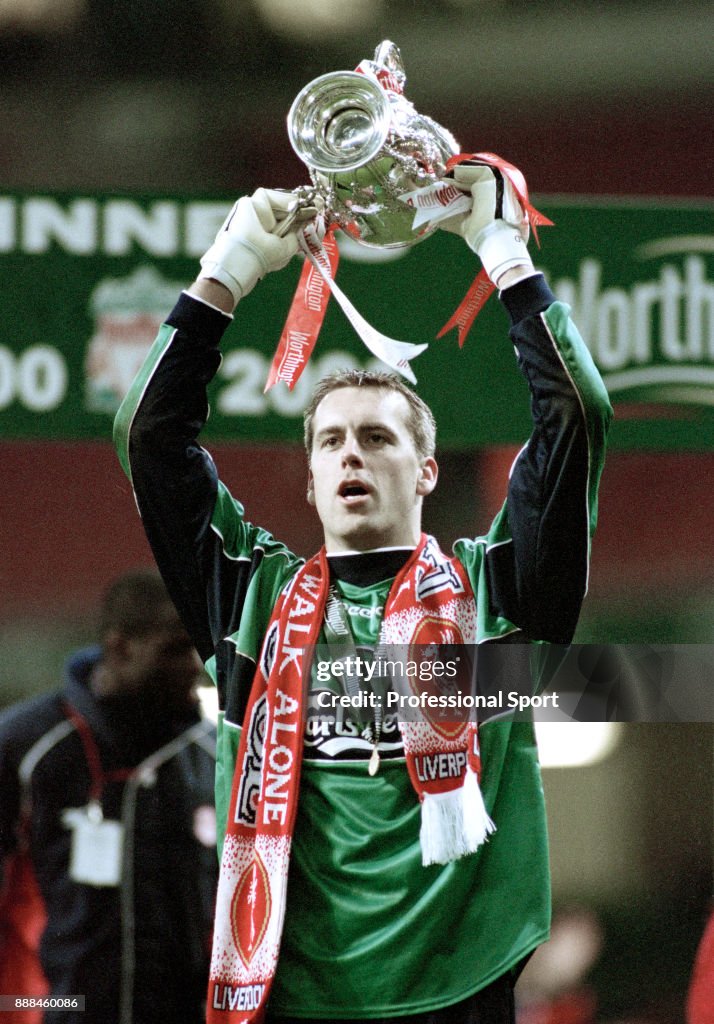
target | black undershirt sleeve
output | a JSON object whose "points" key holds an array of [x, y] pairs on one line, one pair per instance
{"points": [[539, 580]]}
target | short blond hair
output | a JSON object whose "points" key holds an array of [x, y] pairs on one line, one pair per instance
{"points": [[420, 422]]}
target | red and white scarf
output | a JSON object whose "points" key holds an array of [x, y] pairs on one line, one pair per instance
{"points": [[430, 602]]}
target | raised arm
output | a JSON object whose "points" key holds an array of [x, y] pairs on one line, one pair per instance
{"points": [[538, 550], [535, 558], [207, 553]]}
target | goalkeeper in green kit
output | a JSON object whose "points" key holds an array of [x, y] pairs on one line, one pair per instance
{"points": [[372, 868]]}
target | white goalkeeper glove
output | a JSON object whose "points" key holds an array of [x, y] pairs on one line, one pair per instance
{"points": [[497, 226], [247, 246]]}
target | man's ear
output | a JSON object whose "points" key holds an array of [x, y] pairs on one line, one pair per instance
{"points": [[310, 489], [428, 475]]}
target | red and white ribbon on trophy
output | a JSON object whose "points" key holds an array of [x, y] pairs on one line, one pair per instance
{"points": [[482, 287], [432, 204], [308, 308]]}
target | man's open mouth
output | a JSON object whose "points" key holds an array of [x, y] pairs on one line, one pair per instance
{"points": [[352, 490]]}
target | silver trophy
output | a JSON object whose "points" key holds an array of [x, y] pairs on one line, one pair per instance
{"points": [[366, 146]]}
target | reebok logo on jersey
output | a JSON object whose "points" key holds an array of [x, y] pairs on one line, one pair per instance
{"points": [[363, 612]]}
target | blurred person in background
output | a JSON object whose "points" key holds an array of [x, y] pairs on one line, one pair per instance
{"points": [[700, 998], [555, 986], [396, 907], [107, 826]]}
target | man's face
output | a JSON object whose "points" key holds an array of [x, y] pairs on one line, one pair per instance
{"points": [[366, 479], [162, 662]]}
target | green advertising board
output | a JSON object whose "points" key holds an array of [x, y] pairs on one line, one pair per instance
{"points": [[87, 279]]}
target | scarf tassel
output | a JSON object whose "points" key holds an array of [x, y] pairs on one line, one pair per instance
{"points": [[454, 824]]}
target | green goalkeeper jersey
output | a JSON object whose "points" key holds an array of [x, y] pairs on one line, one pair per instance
{"points": [[369, 932], [367, 925]]}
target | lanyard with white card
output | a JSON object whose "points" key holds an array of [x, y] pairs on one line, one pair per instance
{"points": [[97, 842]]}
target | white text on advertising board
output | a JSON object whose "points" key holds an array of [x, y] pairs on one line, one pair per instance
{"points": [[86, 227], [657, 335]]}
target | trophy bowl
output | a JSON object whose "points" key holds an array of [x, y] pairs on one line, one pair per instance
{"points": [[339, 122], [367, 148]]}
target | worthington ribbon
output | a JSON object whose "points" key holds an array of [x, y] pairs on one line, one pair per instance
{"points": [[482, 287], [308, 309]]}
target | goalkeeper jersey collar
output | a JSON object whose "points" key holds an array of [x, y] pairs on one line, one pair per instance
{"points": [[365, 568]]}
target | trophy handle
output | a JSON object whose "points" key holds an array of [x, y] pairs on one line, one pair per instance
{"points": [[306, 208], [388, 56]]}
